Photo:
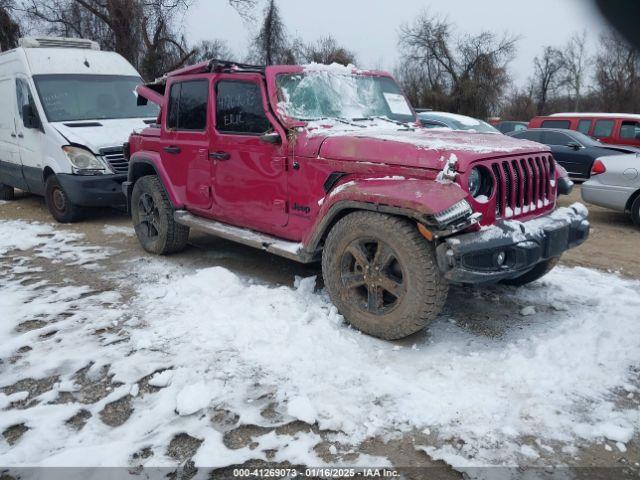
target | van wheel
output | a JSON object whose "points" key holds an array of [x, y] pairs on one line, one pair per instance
{"points": [[59, 204], [536, 273], [152, 216], [635, 211], [6, 192], [382, 275]]}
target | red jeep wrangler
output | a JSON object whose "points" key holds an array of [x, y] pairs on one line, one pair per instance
{"points": [[329, 163]]}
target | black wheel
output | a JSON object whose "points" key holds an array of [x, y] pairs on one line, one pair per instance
{"points": [[6, 192], [152, 216], [382, 275], [635, 211], [537, 272], [59, 204]]}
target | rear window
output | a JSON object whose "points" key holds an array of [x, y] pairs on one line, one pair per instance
{"points": [[188, 105], [566, 124], [603, 128], [584, 126], [630, 130]]}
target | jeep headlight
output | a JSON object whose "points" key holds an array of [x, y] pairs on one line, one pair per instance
{"points": [[83, 161], [480, 183]]}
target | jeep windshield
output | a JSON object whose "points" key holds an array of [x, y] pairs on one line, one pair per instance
{"points": [[322, 94], [91, 97]]}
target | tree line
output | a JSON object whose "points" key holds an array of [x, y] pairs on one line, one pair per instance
{"points": [[439, 67]]}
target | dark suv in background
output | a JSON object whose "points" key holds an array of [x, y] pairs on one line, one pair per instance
{"points": [[575, 151]]}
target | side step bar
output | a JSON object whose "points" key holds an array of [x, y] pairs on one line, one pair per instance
{"points": [[291, 250]]}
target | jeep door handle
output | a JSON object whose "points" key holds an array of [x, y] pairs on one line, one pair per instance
{"points": [[172, 149], [220, 155]]}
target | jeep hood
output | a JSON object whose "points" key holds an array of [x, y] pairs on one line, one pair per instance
{"points": [[97, 134], [418, 148]]}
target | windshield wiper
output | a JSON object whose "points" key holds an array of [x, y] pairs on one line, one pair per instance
{"points": [[387, 119]]}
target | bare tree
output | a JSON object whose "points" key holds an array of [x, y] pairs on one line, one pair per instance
{"points": [[547, 71], [576, 63], [271, 44], [9, 27], [326, 50], [617, 75], [145, 32], [209, 49], [470, 70]]}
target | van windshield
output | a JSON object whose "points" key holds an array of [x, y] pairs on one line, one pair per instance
{"points": [[90, 97]]}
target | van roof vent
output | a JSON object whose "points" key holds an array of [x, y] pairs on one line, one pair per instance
{"points": [[58, 42]]}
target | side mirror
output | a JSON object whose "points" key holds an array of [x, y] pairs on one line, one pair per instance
{"points": [[271, 137], [574, 145], [30, 117]]}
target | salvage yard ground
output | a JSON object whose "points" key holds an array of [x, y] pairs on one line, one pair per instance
{"points": [[224, 356]]}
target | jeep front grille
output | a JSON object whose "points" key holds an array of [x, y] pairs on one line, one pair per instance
{"points": [[116, 159], [523, 185]]}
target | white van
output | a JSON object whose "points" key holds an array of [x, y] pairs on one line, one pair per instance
{"points": [[66, 109]]}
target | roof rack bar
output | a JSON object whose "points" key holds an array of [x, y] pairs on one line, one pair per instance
{"points": [[217, 65]]}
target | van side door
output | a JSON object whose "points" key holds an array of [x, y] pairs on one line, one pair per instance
{"points": [[250, 178], [30, 136], [10, 164]]}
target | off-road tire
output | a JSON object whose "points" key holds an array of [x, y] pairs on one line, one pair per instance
{"points": [[6, 192], [152, 216], [635, 211], [537, 272], [59, 204], [424, 289]]}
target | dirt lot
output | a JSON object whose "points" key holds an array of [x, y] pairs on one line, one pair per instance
{"points": [[614, 244], [481, 315]]}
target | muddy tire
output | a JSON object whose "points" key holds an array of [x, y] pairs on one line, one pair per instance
{"points": [[6, 192], [152, 216], [635, 211], [537, 272], [59, 204], [382, 275]]}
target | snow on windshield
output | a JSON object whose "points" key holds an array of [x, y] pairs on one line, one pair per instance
{"points": [[336, 91]]}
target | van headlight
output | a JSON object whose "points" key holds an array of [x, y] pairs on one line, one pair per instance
{"points": [[84, 162]]}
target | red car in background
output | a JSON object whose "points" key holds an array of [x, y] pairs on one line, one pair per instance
{"points": [[613, 128]]}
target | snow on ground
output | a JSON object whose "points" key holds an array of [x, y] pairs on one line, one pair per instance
{"points": [[118, 231], [209, 341]]}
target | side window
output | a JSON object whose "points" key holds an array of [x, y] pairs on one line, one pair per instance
{"points": [[603, 128], [566, 124], [630, 130], [23, 95], [188, 105], [239, 108], [555, 138], [584, 126], [530, 135]]}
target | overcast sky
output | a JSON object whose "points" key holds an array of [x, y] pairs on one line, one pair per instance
{"points": [[370, 27]]}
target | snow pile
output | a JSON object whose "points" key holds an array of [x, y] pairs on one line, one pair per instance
{"points": [[448, 172], [118, 231]]}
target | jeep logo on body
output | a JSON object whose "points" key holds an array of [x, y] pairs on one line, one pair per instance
{"points": [[301, 208]]}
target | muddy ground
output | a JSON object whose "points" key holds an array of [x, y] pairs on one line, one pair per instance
{"points": [[614, 246]]}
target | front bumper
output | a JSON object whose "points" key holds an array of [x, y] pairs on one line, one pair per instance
{"points": [[475, 257], [94, 190]]}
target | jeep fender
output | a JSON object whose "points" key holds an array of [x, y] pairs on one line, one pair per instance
{"points": [[144, 163], [410, 197]]}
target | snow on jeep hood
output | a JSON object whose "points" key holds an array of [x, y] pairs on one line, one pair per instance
{"points": [[385, 142], [99, 133]]}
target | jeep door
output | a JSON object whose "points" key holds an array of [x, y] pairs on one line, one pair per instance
{"points": [[250, 182], [185, 141]]}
